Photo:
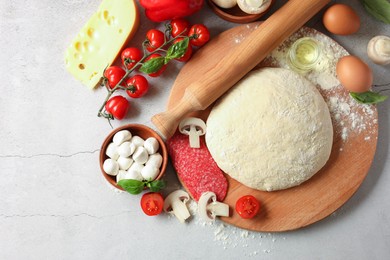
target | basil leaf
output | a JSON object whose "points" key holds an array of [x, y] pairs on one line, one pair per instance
{"points": [[368, 97], [132, 186], [177, 50], [156, 185], [380, 9], [152, 65]]}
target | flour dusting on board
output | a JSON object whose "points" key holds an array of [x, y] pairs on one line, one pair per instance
{"points": [[349, 117]]}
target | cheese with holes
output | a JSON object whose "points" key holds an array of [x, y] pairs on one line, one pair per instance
{"points": [[101, 39]]}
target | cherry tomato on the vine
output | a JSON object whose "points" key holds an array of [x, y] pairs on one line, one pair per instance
{"points": [[152, 203], [113, 75], [247, 206], [179, 26], [155, 39], [187, 54], [117, 106], [161, 70], [199, 35], [138, 85], [130, 56]]}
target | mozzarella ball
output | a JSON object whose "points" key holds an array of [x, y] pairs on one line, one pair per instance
{"points": [[124, 162], [126, 149], [225, 3], [112, 151], [150, 172], [121, 136], [155, 160], [111, 167], [140, 155], [137, 141], [121, 175], [134, 172], [151, 145]]}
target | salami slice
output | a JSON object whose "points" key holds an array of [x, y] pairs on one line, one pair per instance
{"points": [[195, 167]]}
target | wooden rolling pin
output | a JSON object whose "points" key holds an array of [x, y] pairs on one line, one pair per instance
{"points": [[229, 70]]}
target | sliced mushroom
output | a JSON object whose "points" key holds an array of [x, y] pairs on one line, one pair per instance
{"points": [[254, 6], [194, 127], [175, 203], [225, 3], [209, 207], [378, 49]]}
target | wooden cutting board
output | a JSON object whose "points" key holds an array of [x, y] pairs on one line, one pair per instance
{"points": [[355, 138]]}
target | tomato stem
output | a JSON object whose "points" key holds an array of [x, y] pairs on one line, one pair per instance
{"points": [[146, 53]]}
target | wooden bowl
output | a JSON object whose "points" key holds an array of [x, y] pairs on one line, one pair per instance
{"points": [[142, 131], [235, 14]]}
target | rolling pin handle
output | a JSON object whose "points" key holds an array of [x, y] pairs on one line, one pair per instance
{"points": [[168, 121]]}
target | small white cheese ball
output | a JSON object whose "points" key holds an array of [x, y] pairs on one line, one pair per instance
{"points": [[112, 151], [140, 155], [155, 160], [151, 145], [137, 141], [121, 136], [149, 172], [121, 175], [134, 172], [111, 167], [126, 149], [124, 163]]}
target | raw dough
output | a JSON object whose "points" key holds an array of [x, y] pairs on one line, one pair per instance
{"points": [[271, 131]]}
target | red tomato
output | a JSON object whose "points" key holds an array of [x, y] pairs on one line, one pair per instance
{"points": [[152, 203], [199, 35], [130, 57], [138, 86], [247, 206], [179, 26], [113, 75], [155, 39], [117, 106], [188, 53], [160, 71]]}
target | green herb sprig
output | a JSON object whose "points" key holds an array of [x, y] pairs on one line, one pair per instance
{"points": [[136, 187], [380, 9]]}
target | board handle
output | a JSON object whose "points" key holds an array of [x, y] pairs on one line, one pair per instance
{"points": [[239, 61]]}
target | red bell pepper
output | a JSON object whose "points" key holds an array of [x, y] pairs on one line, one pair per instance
{"points": [[161, 10]]}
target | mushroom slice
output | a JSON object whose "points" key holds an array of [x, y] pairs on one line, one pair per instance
{"points": [[175, 203], [194, 127], [378, 49], [209, 207], [225, 3], [254, 6]]}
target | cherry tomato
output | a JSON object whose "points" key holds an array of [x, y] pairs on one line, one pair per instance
{"points": [[155, 39], [179, 26], [138, 85], [188, 53], [160, 71], [117, 106], [152, 203], [130, 57], [113, 75], [247, 206], [199, 35]]}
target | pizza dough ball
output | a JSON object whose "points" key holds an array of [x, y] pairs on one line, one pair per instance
{"points": [[271, 131]]}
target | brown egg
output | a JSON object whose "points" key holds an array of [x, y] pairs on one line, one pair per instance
{"points": [[354, 74], [341, 19]]}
